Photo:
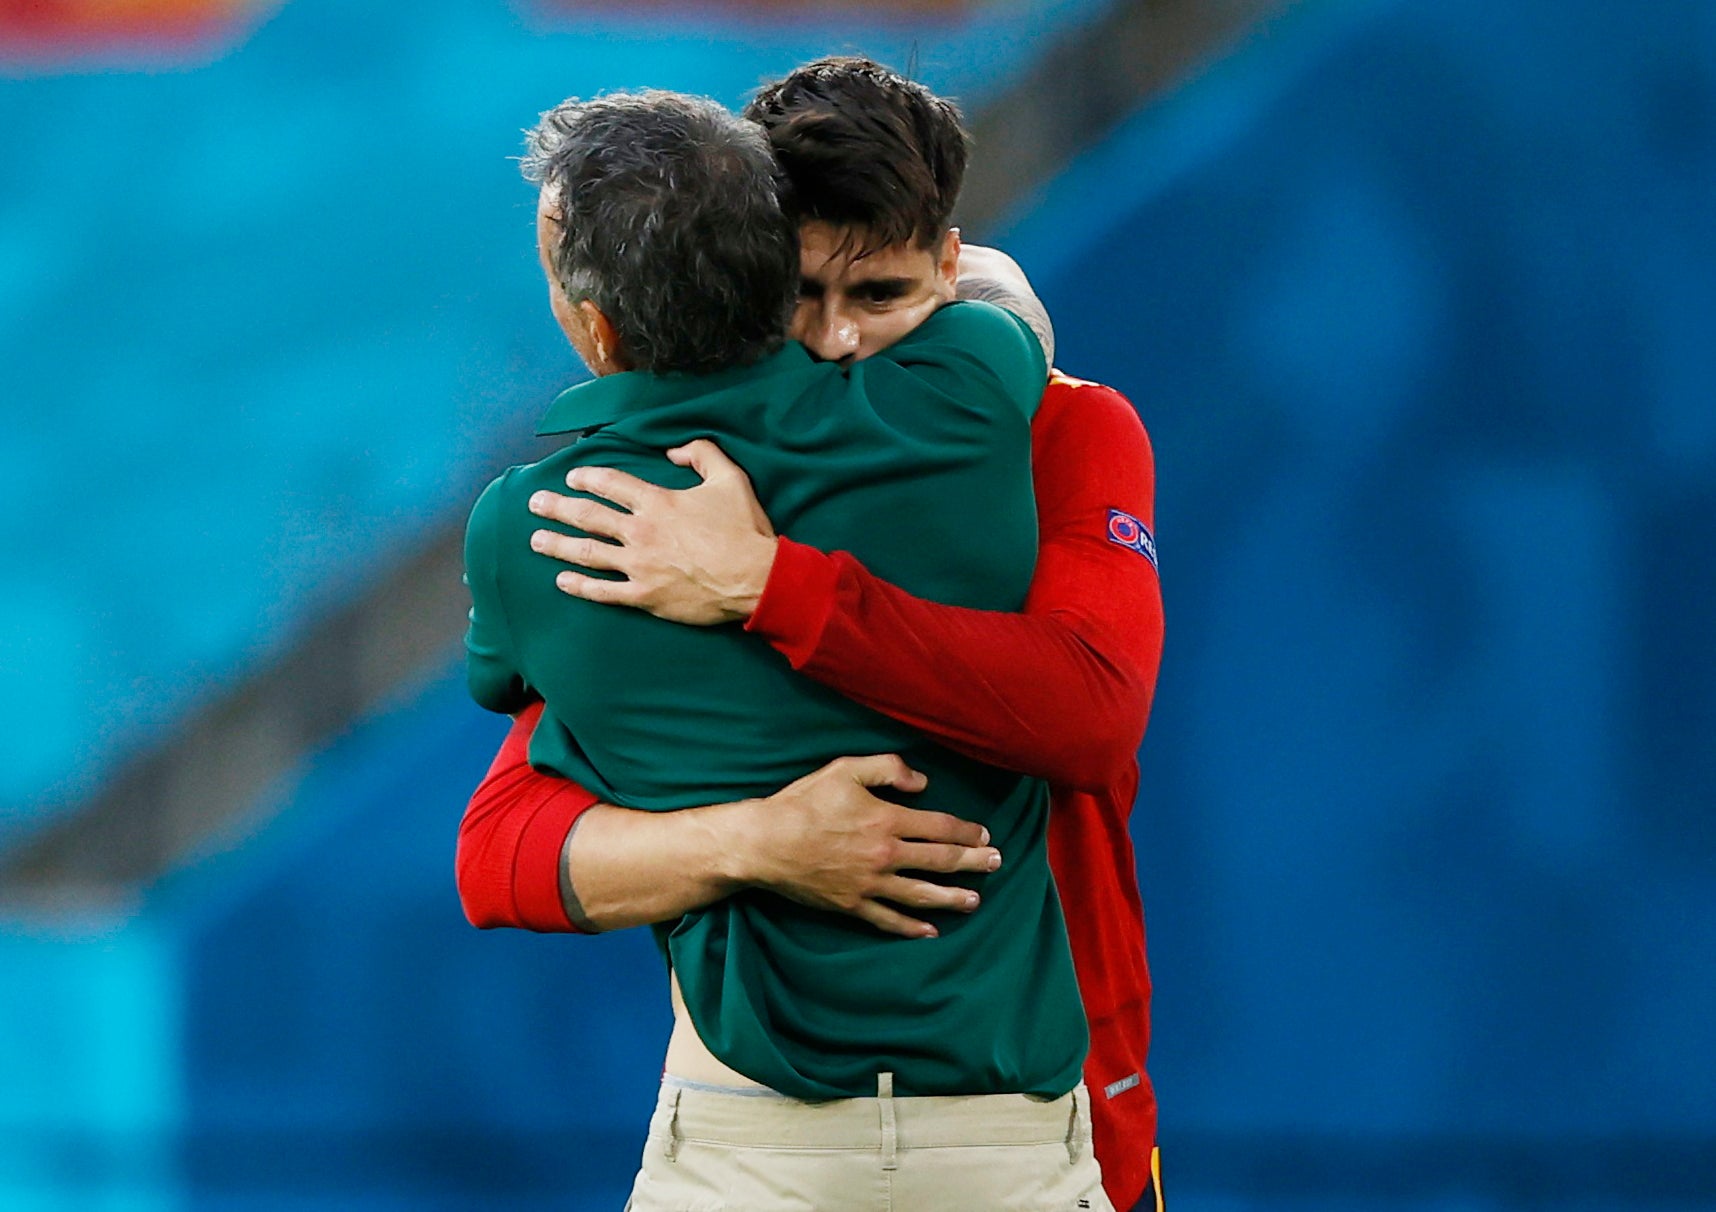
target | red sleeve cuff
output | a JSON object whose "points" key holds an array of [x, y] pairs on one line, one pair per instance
{"points": [[796, 601], [536, 871]]}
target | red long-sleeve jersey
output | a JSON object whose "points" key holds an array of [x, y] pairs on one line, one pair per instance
{"points": [[1061, 691]]}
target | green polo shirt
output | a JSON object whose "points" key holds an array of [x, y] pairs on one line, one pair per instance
{"points": [[918, 462]]}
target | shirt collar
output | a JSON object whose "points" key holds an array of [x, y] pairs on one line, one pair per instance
{"points": [[602, 401]]}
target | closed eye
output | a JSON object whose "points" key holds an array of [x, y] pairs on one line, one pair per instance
{"points": [[883, 290]]}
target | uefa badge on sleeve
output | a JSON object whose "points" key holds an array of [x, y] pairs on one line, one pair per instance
{"points": [[1130, 533]]}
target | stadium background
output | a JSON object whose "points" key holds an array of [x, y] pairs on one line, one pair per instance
{"points": [[1418, 299]]}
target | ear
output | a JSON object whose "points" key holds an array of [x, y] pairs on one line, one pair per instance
{"points": [[947, 264], [601, 348]]}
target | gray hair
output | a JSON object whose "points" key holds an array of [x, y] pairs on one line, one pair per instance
{"points": [[672, 224]]}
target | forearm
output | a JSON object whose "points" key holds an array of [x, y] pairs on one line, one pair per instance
{"points": [[621, 867], [538, 852], [1061, 691], [1048, 695]]}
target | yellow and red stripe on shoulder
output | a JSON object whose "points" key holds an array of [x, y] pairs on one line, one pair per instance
{"points": [[1060, 378]]}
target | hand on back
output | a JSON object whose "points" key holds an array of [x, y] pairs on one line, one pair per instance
{"points": [[828, 841], [698, 555]]}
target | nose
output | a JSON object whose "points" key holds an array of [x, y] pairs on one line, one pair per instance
{"points": [[837, 337]]}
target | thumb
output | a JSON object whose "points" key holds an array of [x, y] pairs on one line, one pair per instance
{"points": [[887, 770], [703, 457]]}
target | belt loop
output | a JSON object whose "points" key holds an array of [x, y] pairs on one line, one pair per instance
{"points": [[1075, 1137], [671, 1149], [890, 1134]]}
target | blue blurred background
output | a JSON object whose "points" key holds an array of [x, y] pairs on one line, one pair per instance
{"points": [[1418, 301]]}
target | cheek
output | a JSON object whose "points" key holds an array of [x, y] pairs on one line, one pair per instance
{"points": [[803, 321], [562, 309]]}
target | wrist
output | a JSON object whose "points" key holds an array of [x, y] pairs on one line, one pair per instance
{"points": [[754, 578], [797, 601], [736, 839]]}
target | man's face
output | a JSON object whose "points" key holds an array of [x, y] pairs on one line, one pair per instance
{"points": [[850, 307]]}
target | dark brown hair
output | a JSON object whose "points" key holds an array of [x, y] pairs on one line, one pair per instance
{"points": [[672, 223], [863, 146]]}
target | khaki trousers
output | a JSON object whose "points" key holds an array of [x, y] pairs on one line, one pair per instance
{"points": [[713, 1150]]}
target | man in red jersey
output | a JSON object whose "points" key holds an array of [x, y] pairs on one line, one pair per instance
{"points": [[1060, 691]]}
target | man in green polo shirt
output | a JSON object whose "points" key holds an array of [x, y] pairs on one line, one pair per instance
{"points": [[672, 269]]}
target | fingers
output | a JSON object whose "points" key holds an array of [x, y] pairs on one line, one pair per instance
{"points": [[883, 770], [595, 589], [913, 894], [921, 894], [615, 486], [596, 517], [588, 553], [892, 921], [934, 856], [940, 827]]}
